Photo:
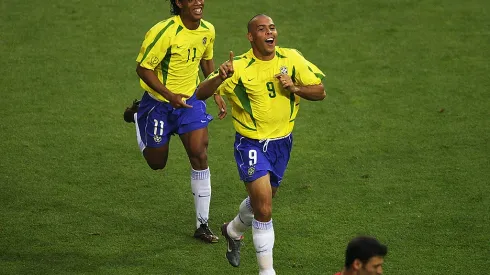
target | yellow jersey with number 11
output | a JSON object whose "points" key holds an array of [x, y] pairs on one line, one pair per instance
{"points": [[174, 53]]}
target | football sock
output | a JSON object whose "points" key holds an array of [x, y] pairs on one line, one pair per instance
{"points": [[263, 238], [201, 189], [242, 221]]}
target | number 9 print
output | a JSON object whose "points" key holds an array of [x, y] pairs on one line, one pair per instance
{"points": [[252, 156]]}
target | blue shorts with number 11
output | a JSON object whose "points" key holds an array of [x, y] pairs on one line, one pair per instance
{"points": [[256, 158]]}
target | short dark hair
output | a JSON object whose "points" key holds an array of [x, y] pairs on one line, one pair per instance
{"points": [[363, 248], [174, 9]]}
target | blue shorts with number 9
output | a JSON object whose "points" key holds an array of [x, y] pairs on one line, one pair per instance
{"points": [[256, 158]]}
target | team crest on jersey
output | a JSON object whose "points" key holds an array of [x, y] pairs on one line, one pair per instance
{"points": [[154, 61], [204, 40], [251, 170], [283, 70], [157, 138]]}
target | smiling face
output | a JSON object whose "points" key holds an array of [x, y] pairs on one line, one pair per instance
{"points": [[191, 10], [262, 35]]}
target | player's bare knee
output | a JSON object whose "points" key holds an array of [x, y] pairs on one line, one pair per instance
{"points": [[263, 213], [199, 161]]}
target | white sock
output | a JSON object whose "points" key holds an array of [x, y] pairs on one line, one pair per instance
{"points": [[201, 189], [263, 236], [242, 221]]}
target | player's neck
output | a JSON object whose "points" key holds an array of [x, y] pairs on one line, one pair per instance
{"points": [[189, 24], [262, 57]]}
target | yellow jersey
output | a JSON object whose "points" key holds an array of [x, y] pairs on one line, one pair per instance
{"points": [[260, 107], [173, 52]]}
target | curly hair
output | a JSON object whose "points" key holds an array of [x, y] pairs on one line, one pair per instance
{"points": [[174, 9]]}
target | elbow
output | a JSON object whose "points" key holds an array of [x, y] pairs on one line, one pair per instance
{"points": [[322, 96], [138, 70], [141, 71], [321, 92]]}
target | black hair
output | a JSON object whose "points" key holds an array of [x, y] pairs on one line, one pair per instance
{"points": [[249, 24], [364, 248], [174, 9]]}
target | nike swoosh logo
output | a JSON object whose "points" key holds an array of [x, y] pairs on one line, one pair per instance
{"points": [[203, 196], [261, 251], [179, 46], [203, 121], [251, 79]]}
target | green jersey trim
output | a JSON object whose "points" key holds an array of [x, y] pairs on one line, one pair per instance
{"points": [[204, 25], [250, 63], [165, 65], [244, 126], [242, 95], [292, 99], [178, 30], [156, 39]]}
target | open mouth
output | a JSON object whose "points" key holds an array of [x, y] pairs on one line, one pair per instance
{"points": [[197, 11], [269, 41]]}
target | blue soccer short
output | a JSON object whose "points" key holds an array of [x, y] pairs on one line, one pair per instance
{"points": [[156, 121], [256, 158]]}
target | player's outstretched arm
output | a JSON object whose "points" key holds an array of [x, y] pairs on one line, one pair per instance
{"points": [[207, 67], [210, 85]]}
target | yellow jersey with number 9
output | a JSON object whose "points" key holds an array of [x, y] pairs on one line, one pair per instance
{"points": [[174, 53], [261, 108]]}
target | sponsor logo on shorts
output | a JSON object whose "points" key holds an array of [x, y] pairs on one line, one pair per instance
{"points": [[157, 138], [251, 170]]}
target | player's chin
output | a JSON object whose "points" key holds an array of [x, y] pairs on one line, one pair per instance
{"points": [[196, 16], [270, 48]]}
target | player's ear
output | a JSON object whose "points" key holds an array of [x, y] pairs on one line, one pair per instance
{"points": [[179, 3], [250, 37], [357, 264]]}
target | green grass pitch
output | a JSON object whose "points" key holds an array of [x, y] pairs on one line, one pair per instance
{"points": [[399, 149]]}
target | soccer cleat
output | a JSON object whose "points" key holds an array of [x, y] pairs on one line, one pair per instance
{"points": [[233, 249], [205, 234], [130, 111]]}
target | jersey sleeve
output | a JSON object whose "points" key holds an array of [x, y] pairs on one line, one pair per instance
{"points": [[154, 46], [209, 52], [305, 72]]}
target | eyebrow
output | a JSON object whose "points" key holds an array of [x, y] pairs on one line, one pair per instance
{"points": [[264, 25]]}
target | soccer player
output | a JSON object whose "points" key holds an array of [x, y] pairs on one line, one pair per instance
{"points": [[364, 256], [168, 67], [264, 86]]}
